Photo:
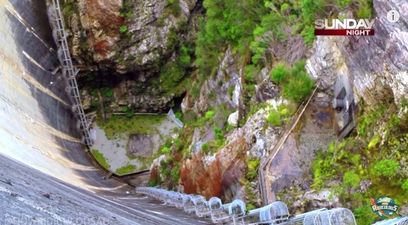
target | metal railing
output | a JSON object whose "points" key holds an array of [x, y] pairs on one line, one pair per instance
{"points": [[395, 221], [69, 71], [236, 213]]}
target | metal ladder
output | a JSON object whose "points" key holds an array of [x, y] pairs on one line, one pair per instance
{"points": [[69, 71]]}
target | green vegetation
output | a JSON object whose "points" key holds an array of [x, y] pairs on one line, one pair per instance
{"points": [[351, 179], [118, 125], [252, 171], [175, 174], [69, 7], [100, 158], [296, 83], [174, 6], [280, 73], [298, 88], [228, 22], [106, 92], [274, 118], [123, 29], [175, 71], [213, 146], [386, 168], [126, 11], [250, 175], [378, 154], [404, 185], [209, 115], [125, 170]]}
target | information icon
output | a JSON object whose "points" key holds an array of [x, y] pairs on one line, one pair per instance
{"points": [[393, 16]]}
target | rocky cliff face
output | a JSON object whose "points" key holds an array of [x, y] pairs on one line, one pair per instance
{"points": [[133, 39], [126, 44], [377, 66], [126, 36]]}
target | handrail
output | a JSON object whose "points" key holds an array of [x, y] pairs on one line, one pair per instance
{"points": [[235, 212]]}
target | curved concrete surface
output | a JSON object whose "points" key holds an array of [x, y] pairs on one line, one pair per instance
{"points": [[46, 176]]}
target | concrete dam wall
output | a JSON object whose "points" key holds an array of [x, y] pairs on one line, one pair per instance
{"points": [[46, 176]]}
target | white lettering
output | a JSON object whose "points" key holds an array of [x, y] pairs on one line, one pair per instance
{"points": [[344, 24]]}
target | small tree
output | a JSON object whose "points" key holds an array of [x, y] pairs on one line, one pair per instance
{"points": [[298, 87], [279, 73]]}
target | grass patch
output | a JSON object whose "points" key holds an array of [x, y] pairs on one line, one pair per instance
{"points": [[118, 125], [125, 170], [100, 158]]}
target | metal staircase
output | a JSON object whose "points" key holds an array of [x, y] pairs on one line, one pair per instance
{"points": [[68, 69]]}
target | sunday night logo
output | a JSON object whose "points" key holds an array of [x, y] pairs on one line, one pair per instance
{"points": [[384, 207]]}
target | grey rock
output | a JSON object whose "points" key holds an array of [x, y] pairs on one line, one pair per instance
{"points": [[376, 65]]}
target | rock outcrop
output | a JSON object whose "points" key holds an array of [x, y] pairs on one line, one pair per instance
{"points": [[127, 36], [100, 21], [376, 65], [212, 175], [222, 89]]}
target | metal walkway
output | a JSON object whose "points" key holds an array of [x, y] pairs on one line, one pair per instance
{"points": [[235, 212], [68, 69]]}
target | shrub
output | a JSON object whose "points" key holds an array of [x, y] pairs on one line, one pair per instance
{"points": [[175, 174], [279, 73], [343, 3], [165, 150], [107, 92], [123, 29], [386, 168], [310, 8], [68, 8], [367, 121], [209, 115], [365, 9], [404, 185], [252, 172], [299, 87], [351, 179], [364, 215], [258, 48], [250, 72], [308, 35], [219, 135], [174, 6], [284, 7], [374, 142], [205, 148], [274, 118], [295, 82]]}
